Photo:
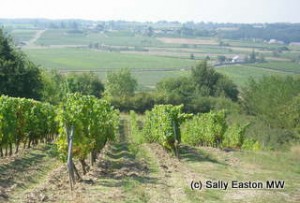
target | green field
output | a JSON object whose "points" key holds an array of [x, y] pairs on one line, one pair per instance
{"points": [[22, 35], [85, 59], [281, 66], [56, 49], [251, 44], [240, 74], [154, 68], [146, 68], [65, 37]]}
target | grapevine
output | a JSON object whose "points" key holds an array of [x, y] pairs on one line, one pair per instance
{"points": [[24, 121], [94, 122], [162, 125]]}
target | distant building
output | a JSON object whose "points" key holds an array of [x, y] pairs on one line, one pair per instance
{"points": [[96, 27], [236, 59], [274, 41]]}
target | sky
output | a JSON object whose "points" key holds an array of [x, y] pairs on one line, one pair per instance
{"points": [[235, 11]]}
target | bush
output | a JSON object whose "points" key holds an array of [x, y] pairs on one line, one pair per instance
{"points": [[85, 83], [139, 103], [274, 101], [234, 136], [251, 144], [162, 125], [205, 129], [270, 138]]}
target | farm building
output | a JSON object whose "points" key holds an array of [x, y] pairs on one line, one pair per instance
{"points": [[237, 59], [274, 41]]}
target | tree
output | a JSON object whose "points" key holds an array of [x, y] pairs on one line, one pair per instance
{"points": [[120, 84], [225, 87], [150, 31], [210, 83], [192, 56], [266, 97], [205, 78], [207, 58], [6, 49], [74, 25], [54, 88], [85, 83], [19, 77], [252, 58], [197, 92], [290, 114], [57, 85], [221, 59], [274, 101], [176, 90]]}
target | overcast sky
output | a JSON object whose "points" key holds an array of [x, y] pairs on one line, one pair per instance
{"points": [[244, 11]]}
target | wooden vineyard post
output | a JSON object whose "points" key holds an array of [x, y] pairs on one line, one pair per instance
{"points": [[92, 157], [70, 164], [176, 140]]}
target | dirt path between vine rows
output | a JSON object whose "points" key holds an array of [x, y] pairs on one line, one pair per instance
{"points": [[174, 177], [124, 172], [117, 176], [22, 171], [128, 172]]}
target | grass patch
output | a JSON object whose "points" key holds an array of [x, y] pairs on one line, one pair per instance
{"points": [[65, 37], [134, 190], [27, 170], [22, 35], [85, 59], [281, 66], [240, 74], [248, 166]]}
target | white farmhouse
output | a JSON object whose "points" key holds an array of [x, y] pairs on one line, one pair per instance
{"points": [[235, 59]]}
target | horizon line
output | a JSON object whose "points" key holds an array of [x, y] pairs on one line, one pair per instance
{"points": [[144, 21]]}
